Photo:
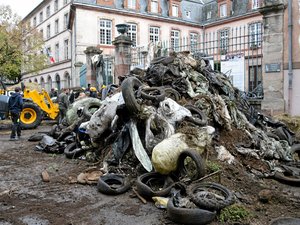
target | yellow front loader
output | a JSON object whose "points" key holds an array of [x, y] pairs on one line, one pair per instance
{"points": [[37, 105]]}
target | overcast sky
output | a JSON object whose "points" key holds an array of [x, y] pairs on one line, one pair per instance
{"points": [[21, 7]]}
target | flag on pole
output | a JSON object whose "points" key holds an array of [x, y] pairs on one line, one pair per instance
{"points": [[51, 58]]}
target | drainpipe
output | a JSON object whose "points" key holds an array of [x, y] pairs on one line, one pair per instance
{"points": [[290, 53]]}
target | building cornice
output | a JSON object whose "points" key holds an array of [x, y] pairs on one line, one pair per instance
{"points": [[231, 19], [134, 14], [50, 66], [41, 5], [55, 35]]}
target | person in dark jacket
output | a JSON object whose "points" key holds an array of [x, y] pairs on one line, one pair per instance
{"points": [[63, 104], [15, 106]]}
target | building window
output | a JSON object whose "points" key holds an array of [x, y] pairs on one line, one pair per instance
{"points": [[255, 4], [208, 15], [41, 17], [154, 34], [66, 49], [105, 32], [55, 5], [49, 83], [56, 27], [175, 35], [57, 52], [65, 2], [48, 31], [34, 21], [131, 4], [188, 14], [154, 6], [108, 76], [255, 76], [223, 10], [66, 20], [255, 34], [132, 30], [49, 52], [175, 10], [42, 33], [193, 41], [42, 82], [48, 11], [224, 41]]}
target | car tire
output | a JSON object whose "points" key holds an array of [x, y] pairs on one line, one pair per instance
{"points": [[206, 201], [144, 187], [149, 93], [195, 216], [88, 107], [182, 171], [72, 151], [198, 117], [107, 183], [129, 88], [173, 94]]}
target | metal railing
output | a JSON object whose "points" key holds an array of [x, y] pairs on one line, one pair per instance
{"points": [[217, 46]]}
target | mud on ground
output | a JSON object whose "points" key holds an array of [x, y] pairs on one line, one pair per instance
{"points": [[26, 199]]}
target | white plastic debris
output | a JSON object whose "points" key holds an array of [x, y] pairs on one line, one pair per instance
{"points": [[166, 153], [172, 111], [138, 148], [101, 119], [224, 155]]}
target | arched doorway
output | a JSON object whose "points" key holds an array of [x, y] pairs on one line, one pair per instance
{"points": [[49, 83], [68, 80], [42, 83], [57, 80], [30, 81], [35, 80]]}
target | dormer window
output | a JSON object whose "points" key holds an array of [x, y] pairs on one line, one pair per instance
{"points": [[223, 10], [175, 10], [208, 15], [131, 4], [154, 6], [255, 4], [188, 14]]}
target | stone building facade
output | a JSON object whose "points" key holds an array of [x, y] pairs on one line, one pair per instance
{"points": [[188, 22], [51, 18]]}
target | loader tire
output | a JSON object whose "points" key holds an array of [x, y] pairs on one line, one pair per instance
{"points": [[31, 116]]}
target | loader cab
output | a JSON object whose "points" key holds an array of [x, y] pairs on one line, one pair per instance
{"points": [[3, 101]]}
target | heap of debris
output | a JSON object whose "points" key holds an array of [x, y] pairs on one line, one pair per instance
{"points": [[175, 110]]}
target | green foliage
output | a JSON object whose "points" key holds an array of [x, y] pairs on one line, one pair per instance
{"points": [[234, 213], [20, 46], [212, 166]]}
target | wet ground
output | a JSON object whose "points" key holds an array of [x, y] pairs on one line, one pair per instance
{"points": [[26, 199]]}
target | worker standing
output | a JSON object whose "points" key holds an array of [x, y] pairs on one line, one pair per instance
{"points": [[63, 103], [93, 92], [15, 106], [53, 92]]}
